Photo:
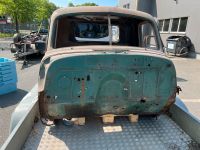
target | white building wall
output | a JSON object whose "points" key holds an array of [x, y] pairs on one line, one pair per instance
{"points": [[184, 8], [166, 9], [133, 3]]}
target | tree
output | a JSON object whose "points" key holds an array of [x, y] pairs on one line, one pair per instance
{"points": [[45, 10], [23, 11], [70, 4], [20, 10], [87, 4], [84, 4]]}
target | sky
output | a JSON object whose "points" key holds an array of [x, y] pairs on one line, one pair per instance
{"points": [[64, 3]]}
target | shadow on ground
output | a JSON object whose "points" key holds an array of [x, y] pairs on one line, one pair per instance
{"points": [[181, 79], [29, 61], [12, 98]]}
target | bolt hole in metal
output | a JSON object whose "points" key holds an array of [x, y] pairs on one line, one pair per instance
{"points": [[79, 79], [115, 107], [88, 77], [138, 72], [142, 100], [169, 65]]}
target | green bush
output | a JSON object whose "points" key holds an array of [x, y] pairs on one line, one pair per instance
{"points": [[4, 35]]}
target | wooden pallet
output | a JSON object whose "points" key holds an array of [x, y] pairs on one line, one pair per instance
{"points": [[106, 119], [79, 121], [110, 118]]}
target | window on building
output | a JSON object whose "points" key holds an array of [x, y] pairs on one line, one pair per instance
{"points": [[160, 23], [127, 6], [175, 23], [183, 24], [166, 25]]}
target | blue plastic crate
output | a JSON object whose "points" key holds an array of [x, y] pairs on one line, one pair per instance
{"points": [[7, 88], [8, 76]]}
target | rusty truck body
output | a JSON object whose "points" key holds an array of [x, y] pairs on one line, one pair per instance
{"points": [[99, 61], [103, 60]]}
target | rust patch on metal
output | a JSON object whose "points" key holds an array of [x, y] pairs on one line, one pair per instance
{"points": [[170, 102], [41, 103], [82, 88], [82, 91], [42, 107]]}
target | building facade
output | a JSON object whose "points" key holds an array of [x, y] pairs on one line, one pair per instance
{"points": [[175, 17]]}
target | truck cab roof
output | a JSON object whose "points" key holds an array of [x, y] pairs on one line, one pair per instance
{"points": [[100, 9], [82, 26]]}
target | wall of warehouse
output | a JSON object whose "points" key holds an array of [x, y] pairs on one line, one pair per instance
{"points": [[180, 14]]}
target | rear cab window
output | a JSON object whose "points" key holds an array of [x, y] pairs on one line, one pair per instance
{"points": [[80, 30]]}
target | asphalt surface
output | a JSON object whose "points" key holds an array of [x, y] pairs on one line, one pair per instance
{"points": [[27, 78], [188, 76]]}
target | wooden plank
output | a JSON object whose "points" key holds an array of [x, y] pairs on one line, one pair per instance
{"points": [[79, 121], [133, 118], [109, 118]]}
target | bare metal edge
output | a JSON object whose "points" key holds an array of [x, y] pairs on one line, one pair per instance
{"points": [[183, 118], [21, 131]]}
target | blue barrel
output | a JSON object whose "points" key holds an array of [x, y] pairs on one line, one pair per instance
{"points": [[8, 76]]}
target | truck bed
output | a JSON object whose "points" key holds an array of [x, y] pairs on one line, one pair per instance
{"points": [[179, 130], [149, 133]]}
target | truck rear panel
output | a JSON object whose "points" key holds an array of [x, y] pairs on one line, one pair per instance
{"points": [[95, 84]]}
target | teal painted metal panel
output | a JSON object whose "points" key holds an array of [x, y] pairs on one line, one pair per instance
{"points": [[120, 84]]}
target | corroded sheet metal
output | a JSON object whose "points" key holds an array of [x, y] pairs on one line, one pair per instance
{"points": [[97, 84]]}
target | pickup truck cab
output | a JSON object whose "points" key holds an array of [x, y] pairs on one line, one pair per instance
{"points": [[103, 61]]}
